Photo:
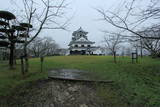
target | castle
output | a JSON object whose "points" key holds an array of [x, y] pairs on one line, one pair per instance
{"points": [[80, 45]]}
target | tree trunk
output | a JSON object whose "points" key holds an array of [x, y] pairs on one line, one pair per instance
{"points": [[141, 53], [141, 49], [15, 57], [26, 58], [11, 59], [22, 66], [114, 54], [136, 55]]}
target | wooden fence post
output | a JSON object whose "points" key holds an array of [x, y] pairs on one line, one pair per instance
{"points": [[42, 59]]}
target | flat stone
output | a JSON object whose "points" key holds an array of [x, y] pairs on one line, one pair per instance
{"points": [[69, 85], [72, 99], [68, 74], [66, 94], [73, 89], [51, 105], [74, 75], [83, 105]]}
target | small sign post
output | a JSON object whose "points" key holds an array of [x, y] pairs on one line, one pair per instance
{"points": [[42, 59], [134, 58]]}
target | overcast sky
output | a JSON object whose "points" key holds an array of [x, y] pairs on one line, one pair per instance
{"points": [[84, 15]]}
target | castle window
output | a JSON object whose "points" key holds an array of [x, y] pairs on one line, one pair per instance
{"points": [[76, 45], [82, 45], [89, 45]]}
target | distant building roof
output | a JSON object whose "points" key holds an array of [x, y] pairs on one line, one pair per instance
{"points": [[80, 30]]}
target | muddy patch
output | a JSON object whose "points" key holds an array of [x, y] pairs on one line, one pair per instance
{"points": [[57, 93]]}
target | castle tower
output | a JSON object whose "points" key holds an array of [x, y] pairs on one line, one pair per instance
{"points": [[80, 45]]}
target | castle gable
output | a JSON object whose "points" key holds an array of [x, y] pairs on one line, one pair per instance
{"points": [[82, 39]]}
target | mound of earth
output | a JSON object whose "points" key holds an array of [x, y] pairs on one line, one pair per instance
{"points": [[57, 93]]}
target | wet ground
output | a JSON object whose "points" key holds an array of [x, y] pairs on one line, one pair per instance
{"points": [[69, 74], [58, 93], [75, 75]]}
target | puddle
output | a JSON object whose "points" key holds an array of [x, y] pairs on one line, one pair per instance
{"points": [[69, 74]]}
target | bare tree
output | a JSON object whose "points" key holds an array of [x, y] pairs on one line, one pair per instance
{"points": [[125, 19], [112, 42], [51, 46], [42, 47], [102, 50], [153, 10], [151, 45], [42, 14]]}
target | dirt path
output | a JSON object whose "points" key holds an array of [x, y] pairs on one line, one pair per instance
{"points": [[57, 93]]}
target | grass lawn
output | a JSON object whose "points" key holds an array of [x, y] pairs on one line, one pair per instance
{"points": [[135, 85]]}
